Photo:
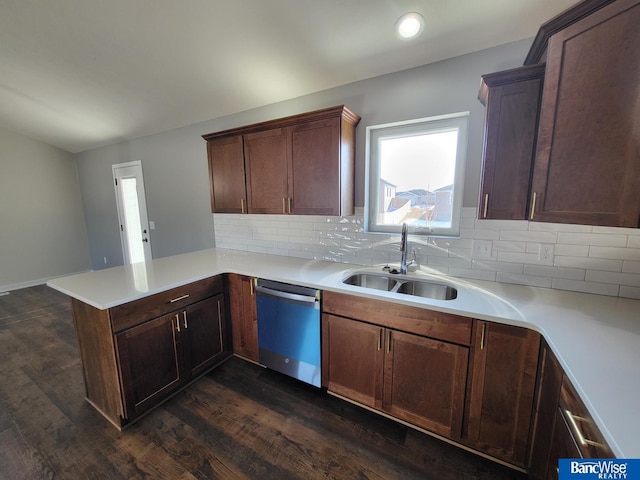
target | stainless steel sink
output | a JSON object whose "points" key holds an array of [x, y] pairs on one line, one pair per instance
{"points": [[437, 291], [418, 288], [368, 280]]}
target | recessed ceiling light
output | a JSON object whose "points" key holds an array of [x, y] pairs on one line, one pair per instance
{"points": [[409, 25]]}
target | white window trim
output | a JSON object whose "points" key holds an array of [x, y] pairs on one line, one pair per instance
{"points": [[372, 170]]}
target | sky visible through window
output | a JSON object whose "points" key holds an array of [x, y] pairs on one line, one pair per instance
{"points": [[424, 161]]}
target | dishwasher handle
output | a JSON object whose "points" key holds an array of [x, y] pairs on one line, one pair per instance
{"points": [[285, 295]]}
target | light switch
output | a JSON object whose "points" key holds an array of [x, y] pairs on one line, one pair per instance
{"points": [[152, 225]]}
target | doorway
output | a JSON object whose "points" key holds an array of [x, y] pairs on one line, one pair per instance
{"points": [[132, 212]]}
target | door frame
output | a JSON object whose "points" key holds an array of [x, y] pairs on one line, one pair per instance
{"points": [[142, 207]]}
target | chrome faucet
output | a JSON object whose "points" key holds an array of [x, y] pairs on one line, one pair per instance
{"points": [[404, 247]]}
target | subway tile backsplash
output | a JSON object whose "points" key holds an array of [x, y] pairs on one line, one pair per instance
{"points": [[580, 258]]}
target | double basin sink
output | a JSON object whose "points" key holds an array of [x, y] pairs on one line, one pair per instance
{"points": [[404, 285]]}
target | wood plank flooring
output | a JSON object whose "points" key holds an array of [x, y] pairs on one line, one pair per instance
{"points": [[238, 422]]}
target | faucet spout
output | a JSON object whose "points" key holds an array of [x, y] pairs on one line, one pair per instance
{"points": [[404, 248]]}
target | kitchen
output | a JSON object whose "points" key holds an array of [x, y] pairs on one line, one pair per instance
{"points": [[183, 222]]}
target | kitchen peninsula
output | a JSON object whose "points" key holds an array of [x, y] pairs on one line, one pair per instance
{"points": [[595, 338]]}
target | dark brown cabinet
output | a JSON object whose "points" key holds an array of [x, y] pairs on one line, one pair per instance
{"points": [[267, 167], [244, 318], [150, 366], [587, 167], [584, 140], [410, 376], [502, 385], [546, 408], [137, 354], [303, 164], [512, 101], [161, 355], [226, 174]]}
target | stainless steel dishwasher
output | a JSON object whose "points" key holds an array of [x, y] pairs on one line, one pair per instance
{"points": [[289, 329]]}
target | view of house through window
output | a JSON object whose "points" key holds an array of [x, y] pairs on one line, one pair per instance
{"points": [[415, 175]]}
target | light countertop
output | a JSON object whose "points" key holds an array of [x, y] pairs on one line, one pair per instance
{"points": [[596, 338]]}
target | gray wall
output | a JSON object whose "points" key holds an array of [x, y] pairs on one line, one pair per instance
{"points": [[175, 164], [43, 232]]}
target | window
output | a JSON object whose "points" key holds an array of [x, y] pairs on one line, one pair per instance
{"points": [[415, 174]]}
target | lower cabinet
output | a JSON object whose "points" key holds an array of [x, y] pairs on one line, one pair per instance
{"points": [[562, 427], [501, 390], [401, 360], [414, 378], [132, 362], [468, 380], [244, 317], [161, 355]]}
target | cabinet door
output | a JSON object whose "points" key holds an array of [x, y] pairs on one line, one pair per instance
{"points": [[548, 394], [424, 382], [267, 163], [226, 172], [513, 102], [352, 359], [503, 376], [149, 357], [203, 325], [244, 318], [315, 167], [587, 167], [562, 445]]}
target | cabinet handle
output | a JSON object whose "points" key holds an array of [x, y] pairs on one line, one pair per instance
{"points": [[484, 328], [177, 299], [571, 419], [380, 340], [184, 317], [252, 285], [533, 206], [177, 322], [289, 204], [284, 205], [486, 205], [388, 341], [242, 205]]}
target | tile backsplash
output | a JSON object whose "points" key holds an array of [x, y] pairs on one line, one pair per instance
{"points": [[580, 258]]}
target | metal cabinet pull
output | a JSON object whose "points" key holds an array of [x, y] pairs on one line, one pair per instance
{"points": [[177, 299], [242, 205], [177, 322], [486, 205], [252, 285], [571, 419], [533, 206], [184, 317], [388, 341], [380, 340], [289, 204], [482, 337], [284, 205]]}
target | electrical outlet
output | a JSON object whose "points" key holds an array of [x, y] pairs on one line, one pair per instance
{"points": [[545, 254], [482, 249], [105, 260]]}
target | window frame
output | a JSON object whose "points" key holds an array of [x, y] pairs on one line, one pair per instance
{"points": [[375, 133]]}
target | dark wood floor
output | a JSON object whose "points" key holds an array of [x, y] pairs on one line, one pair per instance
{"points": [[238, 422]]}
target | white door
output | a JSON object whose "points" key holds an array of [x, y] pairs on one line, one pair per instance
{"points": [[132, 212]]}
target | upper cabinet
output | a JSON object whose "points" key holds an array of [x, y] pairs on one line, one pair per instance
{"points": [[587, 166], [226, 160], [586, 148], [512, 101], [302, 164]]}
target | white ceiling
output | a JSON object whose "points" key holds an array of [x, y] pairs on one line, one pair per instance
{"points": [[78, 74]]}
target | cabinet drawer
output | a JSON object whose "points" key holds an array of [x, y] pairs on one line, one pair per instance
{"points": [[585, 433], [428, 323], [135, 312]]}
